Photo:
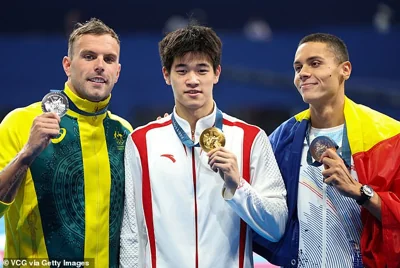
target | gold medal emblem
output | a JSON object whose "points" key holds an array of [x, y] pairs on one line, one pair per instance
{"points": [[212, 138]]}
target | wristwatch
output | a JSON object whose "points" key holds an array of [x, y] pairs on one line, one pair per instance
{"points": [[366, 193]]}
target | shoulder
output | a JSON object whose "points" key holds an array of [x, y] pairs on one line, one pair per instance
{"points": [[377, 117], [235, 122], [121, 120], [284, 135], [141, 131], [287, 128], [366, 122], [23, 115]]}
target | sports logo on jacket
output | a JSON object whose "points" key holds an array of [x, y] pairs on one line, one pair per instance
{"points": [[60, 136], [169, 156], [120, 139]]}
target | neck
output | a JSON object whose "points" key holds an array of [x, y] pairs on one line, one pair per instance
{"points": [[192, 116], [78, 104], [328, 115]]}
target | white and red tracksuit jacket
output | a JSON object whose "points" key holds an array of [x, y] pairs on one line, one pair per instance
{"points": [[176, 214]]}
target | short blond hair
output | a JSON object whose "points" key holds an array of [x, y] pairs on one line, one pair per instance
{"points": [[93, 26]]}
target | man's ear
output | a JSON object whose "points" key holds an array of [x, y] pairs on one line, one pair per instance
{"points": [[217, 74], [346, 69], [166, 76], [66, 62]]}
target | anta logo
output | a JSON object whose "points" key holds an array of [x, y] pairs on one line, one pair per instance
{"points": [[169, 156], [60, 136], [120, 139]]}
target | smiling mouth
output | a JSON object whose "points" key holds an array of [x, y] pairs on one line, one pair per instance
{"points": [[97, 80], [307, 85], [192, 92]]}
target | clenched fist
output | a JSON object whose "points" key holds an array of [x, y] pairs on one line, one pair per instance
{"points": [[44, 127]]}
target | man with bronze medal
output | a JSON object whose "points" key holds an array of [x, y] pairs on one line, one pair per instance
{"points": [[198, 181], [61, 179], [339, 161]]}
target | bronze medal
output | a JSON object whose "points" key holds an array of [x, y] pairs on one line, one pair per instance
{"points": [[319, 145]]}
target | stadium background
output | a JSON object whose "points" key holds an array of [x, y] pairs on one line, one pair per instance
{"points": [[259, 37]]}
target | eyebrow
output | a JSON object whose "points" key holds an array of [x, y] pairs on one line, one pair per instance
{"points": [[87, 51], [92, 52], [309, 59], [197, 65]]}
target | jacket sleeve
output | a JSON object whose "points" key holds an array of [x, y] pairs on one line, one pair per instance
{"points": [[130, 245], [262, 202], [12, 140]]}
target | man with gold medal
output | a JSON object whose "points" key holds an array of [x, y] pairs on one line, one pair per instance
{"points": [[178, 210]]}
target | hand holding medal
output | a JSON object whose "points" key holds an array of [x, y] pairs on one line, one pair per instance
{"points": [[47, 125], [212, 141], [319, 145]]}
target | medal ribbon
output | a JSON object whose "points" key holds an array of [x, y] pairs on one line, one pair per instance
{"points": [[184, 137]]}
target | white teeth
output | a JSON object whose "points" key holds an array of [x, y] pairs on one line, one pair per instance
{"points": [[97, 80]]}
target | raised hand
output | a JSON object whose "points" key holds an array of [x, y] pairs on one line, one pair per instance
{"points": [[220, 159], [165, 115], [44, 127], [337, 175]]}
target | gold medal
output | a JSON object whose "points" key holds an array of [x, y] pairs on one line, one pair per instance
{"points": [[211, 138]]}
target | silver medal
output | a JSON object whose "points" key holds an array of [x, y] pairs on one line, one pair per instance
{"points": [[55, 102]]}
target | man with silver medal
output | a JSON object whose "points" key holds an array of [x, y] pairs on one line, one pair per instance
{"points": [[61, 161]]}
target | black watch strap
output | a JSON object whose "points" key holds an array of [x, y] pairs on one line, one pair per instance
{"points": [[362, 199], [364, 196]]}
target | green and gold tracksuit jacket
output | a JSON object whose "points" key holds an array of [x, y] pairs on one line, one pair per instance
{"points": [[70, 204]]}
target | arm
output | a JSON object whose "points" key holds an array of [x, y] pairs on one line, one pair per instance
{"points": [[261, 204], [338, 176], [12, 175], [44, 127], [130, 251]]}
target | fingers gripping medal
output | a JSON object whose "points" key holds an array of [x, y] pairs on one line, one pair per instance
{"points": [[55, 102], [319, 145], [212, 138]]}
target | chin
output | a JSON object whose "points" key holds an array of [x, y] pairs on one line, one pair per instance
{"points": [[98, 95], [95, 97], [309, 98], [192, 104]]}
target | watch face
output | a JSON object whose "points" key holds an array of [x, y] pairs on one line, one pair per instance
{"points": [[368, 190]]}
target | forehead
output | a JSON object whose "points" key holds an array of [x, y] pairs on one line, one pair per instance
{"points": [[193, 59], [313, 49], [105, 44]]}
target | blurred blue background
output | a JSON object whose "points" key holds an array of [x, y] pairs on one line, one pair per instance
{"points": [[259, 42]]}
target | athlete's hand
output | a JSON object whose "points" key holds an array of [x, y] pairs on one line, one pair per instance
{"points": [[337, 175], [220, 159], [165, 115], [44, 127]]}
